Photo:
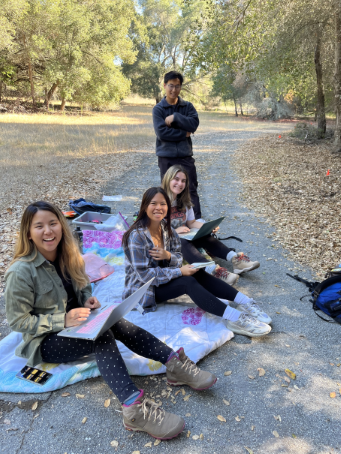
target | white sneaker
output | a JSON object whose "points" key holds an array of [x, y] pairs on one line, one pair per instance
{"points": [[254, 310], [248, 326]]}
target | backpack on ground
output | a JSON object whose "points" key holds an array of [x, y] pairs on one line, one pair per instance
{"points": [[326, 295], [81, 206]]}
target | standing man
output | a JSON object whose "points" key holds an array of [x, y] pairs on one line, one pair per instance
{"points": [[174, 121]]}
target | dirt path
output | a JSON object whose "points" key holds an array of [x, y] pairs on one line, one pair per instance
{"points": [[307, 419]]}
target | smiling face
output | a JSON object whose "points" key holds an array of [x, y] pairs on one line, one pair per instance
{"points": [[172, 89], [46, 232], [178, 184], [157, 209]]}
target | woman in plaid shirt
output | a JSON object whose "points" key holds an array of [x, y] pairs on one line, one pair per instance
{"points": [[153, 250]]}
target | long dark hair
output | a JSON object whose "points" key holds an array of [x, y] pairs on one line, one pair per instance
{"points": [[143, 220]]}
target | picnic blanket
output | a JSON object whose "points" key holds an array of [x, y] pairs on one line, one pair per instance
{"points": [[179, 326]]}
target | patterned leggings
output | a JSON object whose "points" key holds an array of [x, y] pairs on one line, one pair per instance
{"points": [[58, 349]]}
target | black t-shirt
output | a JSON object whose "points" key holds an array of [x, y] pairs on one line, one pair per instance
{"points": [[72, 301]]}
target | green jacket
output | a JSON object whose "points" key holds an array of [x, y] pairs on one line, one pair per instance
{"points": [[36, 303]]}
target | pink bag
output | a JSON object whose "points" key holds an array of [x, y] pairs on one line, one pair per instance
{"points": [[96, 268]]}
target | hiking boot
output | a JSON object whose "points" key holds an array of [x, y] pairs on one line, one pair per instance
{"points": [[183, 371], [248, 326], [224, 275], [147, 416], [241, 263], [254, 310]]}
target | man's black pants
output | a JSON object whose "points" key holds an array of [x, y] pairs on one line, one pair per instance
{"points": [[189, 164]]}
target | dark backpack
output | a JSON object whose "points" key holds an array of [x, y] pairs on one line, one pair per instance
{"points": [[81, 206], [326, 296]]}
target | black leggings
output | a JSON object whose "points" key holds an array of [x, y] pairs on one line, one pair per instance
{"points": [[203, 288], [209, 243], [58, 349]]}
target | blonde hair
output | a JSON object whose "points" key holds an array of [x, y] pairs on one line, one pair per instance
{"points": [[70, 259], [183, 199]]}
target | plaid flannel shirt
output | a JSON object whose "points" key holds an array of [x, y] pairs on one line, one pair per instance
{"points": [[140, 267]]}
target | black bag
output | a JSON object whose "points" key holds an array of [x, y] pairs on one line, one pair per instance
{"points": [[81, 206]]}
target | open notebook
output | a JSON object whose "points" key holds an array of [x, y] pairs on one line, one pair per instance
{"points": [[101, 319], [204, 230]]}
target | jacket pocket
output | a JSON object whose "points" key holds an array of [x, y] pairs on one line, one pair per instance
{"points": [[44, 287], [46, 296]]}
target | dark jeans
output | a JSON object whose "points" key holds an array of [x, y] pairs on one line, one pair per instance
{"points": [[203, 288], [58, 349], [213, 246], [189, 164]]}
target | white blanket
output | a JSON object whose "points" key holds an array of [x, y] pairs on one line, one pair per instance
{"points": [[179, 326]]}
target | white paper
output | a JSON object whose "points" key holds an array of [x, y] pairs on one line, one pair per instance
{"points": [[112, 198]]}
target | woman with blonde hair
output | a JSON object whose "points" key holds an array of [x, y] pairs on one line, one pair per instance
{"points": [[176, 184], [47, 290]]}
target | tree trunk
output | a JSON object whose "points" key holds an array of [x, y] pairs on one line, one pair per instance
{"points": [[337, 76], [0, 90], [321, 113], [62, 106], [30, 72], [50, 93], [235, 107], [241, 108]]}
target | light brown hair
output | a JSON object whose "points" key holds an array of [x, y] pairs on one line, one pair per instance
{"points": [[183, 199], [70, 259]]}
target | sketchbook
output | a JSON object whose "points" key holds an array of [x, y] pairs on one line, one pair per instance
{"points": [[198, 265], [103, 318], [205, 229]]}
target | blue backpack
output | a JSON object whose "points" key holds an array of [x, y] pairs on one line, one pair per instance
{"points": [[326, 295]]}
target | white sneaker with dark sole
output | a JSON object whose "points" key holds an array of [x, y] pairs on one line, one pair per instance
{"points": [[248, 326]]}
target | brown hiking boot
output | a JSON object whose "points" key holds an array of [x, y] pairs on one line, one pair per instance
{"points": [[183, 371], [146, 416], [224, 275], [241, 263]]}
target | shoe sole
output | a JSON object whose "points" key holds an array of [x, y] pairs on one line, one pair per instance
{"points": [[132, 429], [196, 389], [247, 333], [240, 308], [245, 270]]}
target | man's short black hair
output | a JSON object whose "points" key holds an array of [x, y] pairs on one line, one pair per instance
{"points": [[173, 75]]}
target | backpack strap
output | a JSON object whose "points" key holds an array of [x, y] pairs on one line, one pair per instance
{"points": [[227, 238], [310, 284]]}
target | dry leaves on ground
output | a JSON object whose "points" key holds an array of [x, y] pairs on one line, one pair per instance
{"points": [[285, 181]]}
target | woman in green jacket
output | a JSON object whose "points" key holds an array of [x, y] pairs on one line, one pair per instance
{"points": [[47, 290]]}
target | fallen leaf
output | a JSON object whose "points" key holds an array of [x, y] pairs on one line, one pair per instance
{"points": [[107, 403], [253, 427], [275, 433], [290, 373], [293, 436], [35, 405], [201, 436], [183, 392], [221, 418], [19, 403], [80, 396], [148, 445], [332, 395], [188, 414], [287, 379], [226, 402], [277, 312], [7, 421], [287, 345], [9, 210], [114, 443], [296, 387], [237, 418], [195, 437], [188, 433], [338, 365], [136, 452], [66, 394], [228, 372], [251, 377], [248, 450], [276, 285], [278, 418], [261, 371], [84, 420], [157, 442], [179, 391], [332, 364], [187, 397]]}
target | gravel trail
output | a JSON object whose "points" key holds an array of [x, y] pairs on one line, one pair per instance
{"points": [[265, 414]]}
